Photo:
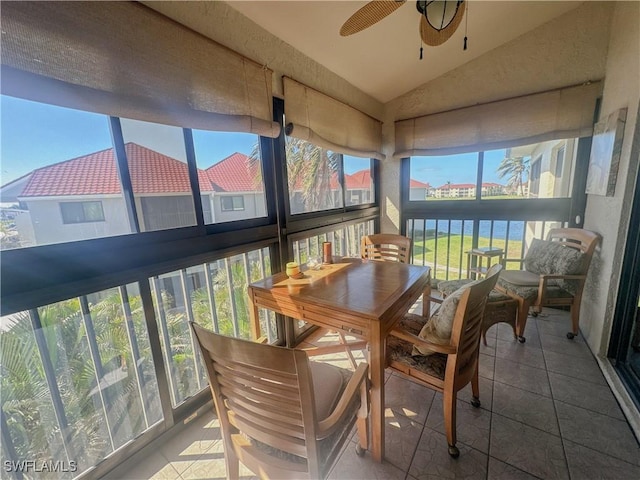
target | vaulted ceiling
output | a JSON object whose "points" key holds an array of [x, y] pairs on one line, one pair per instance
{"points": [[383, 60]]}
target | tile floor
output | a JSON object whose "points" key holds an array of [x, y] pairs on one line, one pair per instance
{"points": [[546, 412]]}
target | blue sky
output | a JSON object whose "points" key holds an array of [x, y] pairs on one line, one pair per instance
{"points": [[33, 135]]}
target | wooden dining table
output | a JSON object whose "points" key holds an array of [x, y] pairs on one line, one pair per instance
{"points": [[363, 297]]}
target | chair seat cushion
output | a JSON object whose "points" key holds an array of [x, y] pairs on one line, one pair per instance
{"points": [[328, 383], [438, 327], [530, 293], [449, 286], [520, 277], [403, 352]]}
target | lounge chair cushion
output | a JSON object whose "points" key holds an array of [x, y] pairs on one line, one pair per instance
{"points": [[546, 257], [438, 328]]}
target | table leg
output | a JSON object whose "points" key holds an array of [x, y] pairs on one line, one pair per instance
{"points": [[426, 301], [254, 318], [376, 369]]}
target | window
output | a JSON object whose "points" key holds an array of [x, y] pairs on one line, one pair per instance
{"points": [[559, 162], [78, 380], [82, 212], [157, 161], [450, 177], [230, 175], [161, 213], [534, 177], [538, 170], [358, 180], [313, 177], [60, 179], [214, 295], [232, 203]]}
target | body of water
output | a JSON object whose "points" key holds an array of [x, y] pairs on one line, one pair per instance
{"points": [[516, 229]]}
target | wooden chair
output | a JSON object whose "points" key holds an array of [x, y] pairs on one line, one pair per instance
{"points": [[280, 414], [386, 247], [454, 364], [554, 275]]}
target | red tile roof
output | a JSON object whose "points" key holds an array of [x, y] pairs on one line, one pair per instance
{"points": [[418, 184], [236, 173], [153, 172], [360, 180], [96, 174]]}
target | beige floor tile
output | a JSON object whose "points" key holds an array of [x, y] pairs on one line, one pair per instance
{"points": [[154, 466]]}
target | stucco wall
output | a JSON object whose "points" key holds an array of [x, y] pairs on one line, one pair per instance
{"points": [[609, 216], [48, 227], [568, 50]]}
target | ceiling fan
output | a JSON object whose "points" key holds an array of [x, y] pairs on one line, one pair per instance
{"points": [[439, 19]]}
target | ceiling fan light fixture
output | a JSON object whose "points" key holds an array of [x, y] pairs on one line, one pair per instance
{"points": [[438, 13], [439, 19]]}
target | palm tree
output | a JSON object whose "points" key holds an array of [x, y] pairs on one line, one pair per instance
{"points": [[310, 171], [516, 168]]}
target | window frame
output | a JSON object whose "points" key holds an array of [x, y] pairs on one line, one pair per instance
{"points": [[233, 207], [82, 203]]}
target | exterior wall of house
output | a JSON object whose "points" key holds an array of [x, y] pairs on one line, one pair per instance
{"points": [[48, 227], [254, 206], [417, 194]]}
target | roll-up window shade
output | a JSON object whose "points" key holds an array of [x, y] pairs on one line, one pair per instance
{"points": [[329, 123], [124, 59], [562, 113]]}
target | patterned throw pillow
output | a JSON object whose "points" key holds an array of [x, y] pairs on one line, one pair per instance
{"points": [[551, 258], [438, 328]]}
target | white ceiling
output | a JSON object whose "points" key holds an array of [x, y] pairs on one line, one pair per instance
{"points": [[383, 60]]}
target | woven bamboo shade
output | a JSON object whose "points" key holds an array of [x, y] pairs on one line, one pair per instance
{"points": [[329, 123], [561, 113], [126, 60]]}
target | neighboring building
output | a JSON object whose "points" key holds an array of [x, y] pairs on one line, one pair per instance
{"points": [[419, 190], [359, 187], [82, 198], [468, 190], [238, 191], [550, 169]]}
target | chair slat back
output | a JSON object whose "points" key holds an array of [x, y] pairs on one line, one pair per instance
{"points": [[578, 238], [386, 247], [260, 390], [467, 327]]}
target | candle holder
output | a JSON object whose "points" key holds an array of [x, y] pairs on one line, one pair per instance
{"points": [[327, 252]]}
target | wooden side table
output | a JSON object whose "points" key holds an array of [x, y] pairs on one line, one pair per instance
{"points": [[480, 253]]}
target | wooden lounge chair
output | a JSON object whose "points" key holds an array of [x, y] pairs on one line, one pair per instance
{"points": [[280, 414], [554, 274]]}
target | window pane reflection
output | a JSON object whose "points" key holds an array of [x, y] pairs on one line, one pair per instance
{"points": [[313, 177], [78, 381], [60, 181], [230, 173], [157, 162], [358, 179], [215, 296]]}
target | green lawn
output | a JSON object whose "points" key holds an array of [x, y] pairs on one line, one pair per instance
{"points": [[451, 248]]}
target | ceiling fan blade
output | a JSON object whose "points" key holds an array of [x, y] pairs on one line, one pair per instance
{"points": [[368, 15], [433, 37]]}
